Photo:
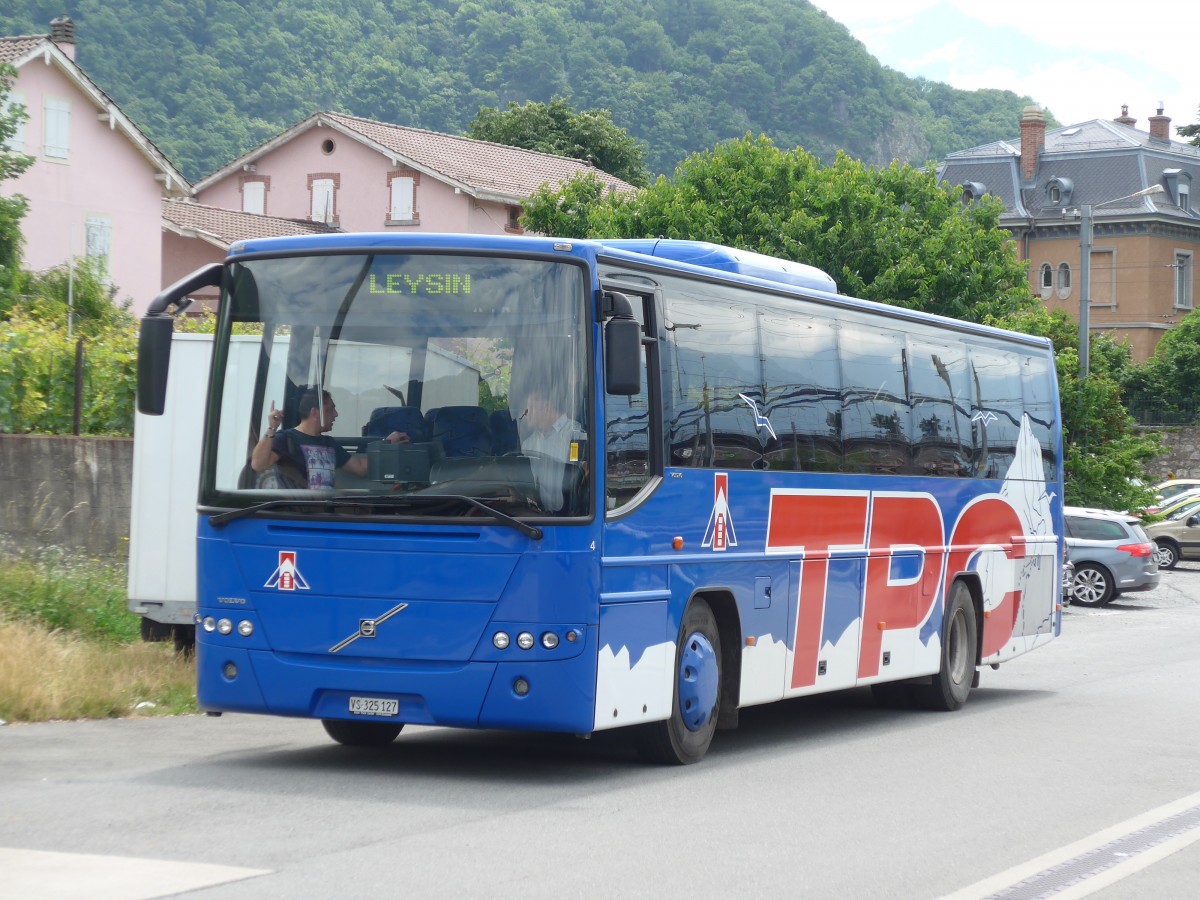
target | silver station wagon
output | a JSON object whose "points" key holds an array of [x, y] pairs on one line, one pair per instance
{"points": [[1111, 554]]}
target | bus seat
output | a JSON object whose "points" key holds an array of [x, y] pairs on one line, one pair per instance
{"points": [[386, 419], [460, 430], [505, 438]]}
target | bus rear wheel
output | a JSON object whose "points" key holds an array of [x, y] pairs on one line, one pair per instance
{"points": [[960, 632], [685, 737], [362, 734]]}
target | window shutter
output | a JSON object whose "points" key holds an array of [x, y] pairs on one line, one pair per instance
{"points": [[99, 241], [402, 199], [57, 144], [254, 197], [322, 200]]}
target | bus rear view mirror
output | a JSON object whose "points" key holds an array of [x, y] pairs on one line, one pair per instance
{"points": [[154, 336], [154, 359], [622, 348]]}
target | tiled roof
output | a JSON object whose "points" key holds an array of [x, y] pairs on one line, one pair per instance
{"points": [[481, 168], [224, 226], [482, 165], [13, 48]]}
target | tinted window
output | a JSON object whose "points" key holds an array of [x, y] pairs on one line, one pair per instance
{"points": [[939, 383], [875, 413], [998, 408], [627, 460], [714, 378], [1089, 529], [1038, 384], [804, 382]]}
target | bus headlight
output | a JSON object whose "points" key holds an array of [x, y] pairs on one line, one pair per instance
{"points": [[245, 628], [224, 626], [525, 640], [500, 640], [549, 640]]}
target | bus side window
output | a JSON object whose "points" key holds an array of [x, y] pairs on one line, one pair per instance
{"points": [[998, 409], [713, 367], [876, 418], [804, 392], [1037, 382], [939, 383]]}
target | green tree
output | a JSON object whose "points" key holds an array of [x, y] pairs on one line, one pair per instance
{"points": [[555, 127], [892, 234], [1164, 388], [12, 209]]}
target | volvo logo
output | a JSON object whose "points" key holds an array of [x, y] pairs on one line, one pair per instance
{"points": [[367, 628]]}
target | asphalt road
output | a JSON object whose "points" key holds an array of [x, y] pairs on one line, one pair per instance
{"points": [[1078, 758]]}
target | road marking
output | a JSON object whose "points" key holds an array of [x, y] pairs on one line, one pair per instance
{"points": [[1104, 858], [66, 876]]}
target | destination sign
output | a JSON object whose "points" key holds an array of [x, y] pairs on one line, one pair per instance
{"points": [[421, 285]]}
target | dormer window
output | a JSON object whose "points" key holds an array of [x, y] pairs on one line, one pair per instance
{"points": [[972, 191], [1179, 185], [1058, 191]]}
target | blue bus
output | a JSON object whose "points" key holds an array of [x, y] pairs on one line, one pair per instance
{"points": [[571, 485]]}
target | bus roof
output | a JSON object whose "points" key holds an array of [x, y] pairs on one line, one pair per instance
{"points": [[730, 259]]}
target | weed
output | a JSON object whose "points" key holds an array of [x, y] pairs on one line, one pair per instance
{"points": [[69, 649], [56, 675], [60, 592]]}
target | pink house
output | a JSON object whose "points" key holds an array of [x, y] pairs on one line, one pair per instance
{"points": [[361, 175], [97, 185]]}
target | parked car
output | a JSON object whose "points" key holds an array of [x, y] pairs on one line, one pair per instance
{"points": [[1177, 538], [1167, 506], [1111, 554], [1182, 509], [1176, 486]]}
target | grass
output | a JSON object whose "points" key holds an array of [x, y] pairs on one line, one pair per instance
{"points": [[70, 650]]}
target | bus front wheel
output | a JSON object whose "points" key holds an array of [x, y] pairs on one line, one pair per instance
{"points": [[960, 633], [685, 736], [362, 734]]}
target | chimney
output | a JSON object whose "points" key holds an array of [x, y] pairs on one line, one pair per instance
{"points": [[62, 32], [1125, 118], [1033, 140], [1160, 125]]}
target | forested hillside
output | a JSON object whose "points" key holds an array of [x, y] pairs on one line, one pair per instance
{"points": [[208, 79]]}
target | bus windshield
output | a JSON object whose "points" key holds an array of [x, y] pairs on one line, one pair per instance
{"points": [[437, 381]]}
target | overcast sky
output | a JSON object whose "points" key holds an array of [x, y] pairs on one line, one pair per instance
{"points": [[1072, 56]]}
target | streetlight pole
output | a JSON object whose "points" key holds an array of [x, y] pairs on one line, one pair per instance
{"points": [[1085, 287], [1085, 270]]}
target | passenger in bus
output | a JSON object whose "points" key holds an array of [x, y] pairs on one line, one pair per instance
{"points": [[305, 456], [552, 440]]}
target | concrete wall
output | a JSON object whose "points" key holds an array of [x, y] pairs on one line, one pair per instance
{"points": [[70, 492]]}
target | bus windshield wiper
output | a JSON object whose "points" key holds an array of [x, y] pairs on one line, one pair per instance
{"points": [[531, 531]]}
